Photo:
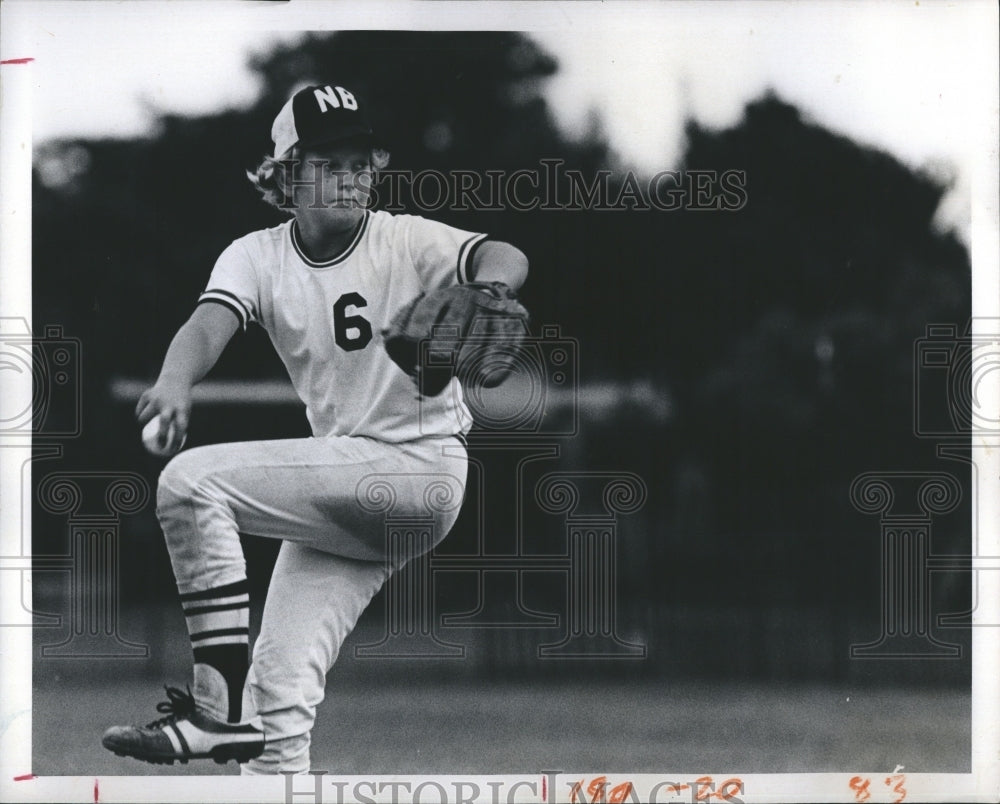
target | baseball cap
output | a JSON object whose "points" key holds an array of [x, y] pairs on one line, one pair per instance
{"points": [[319, 114]]}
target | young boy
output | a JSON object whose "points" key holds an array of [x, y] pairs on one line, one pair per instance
{"points": [[323, 285]]}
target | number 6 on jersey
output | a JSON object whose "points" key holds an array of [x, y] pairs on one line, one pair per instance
{"points": [[345, 326]]}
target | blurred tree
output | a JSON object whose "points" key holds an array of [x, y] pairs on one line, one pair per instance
{"points": [[793, 321]]}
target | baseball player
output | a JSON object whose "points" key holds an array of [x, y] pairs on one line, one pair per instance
{"points": [[323, 285]]}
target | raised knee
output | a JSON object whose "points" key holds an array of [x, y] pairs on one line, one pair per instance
{"points": [[180, 486], [176, 481]]}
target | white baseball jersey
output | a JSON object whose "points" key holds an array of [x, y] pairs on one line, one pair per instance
{"points": [[325, 319]]}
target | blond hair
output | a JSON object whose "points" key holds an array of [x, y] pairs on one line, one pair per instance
{"points": [[271, 176]]}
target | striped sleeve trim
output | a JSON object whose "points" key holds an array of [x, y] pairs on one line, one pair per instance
{"points": [[465, 254], [230, 300]]}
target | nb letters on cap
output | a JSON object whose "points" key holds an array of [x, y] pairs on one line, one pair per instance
{"points": [[317, 115]]}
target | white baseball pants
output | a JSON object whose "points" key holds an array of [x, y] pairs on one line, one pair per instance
{"points": [[330, 500]]}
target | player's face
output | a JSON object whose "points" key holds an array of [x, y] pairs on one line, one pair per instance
{"points": [[345, 177]]}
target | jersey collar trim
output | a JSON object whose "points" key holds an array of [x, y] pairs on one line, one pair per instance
{"points": [[348, 249]]}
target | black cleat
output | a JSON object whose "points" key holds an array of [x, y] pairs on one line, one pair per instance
{"points": [[187, 732]]}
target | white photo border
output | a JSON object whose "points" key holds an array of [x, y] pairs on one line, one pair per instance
{"points": [[22, 26]]}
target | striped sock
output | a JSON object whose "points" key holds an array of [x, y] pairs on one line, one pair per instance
{"points": [[218, 622]]}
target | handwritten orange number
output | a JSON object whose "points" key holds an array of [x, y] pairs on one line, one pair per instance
{"points": [[860, 788], [899, 790]]}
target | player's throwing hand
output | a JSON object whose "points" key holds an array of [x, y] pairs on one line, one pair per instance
{"points": [[167, 407]]}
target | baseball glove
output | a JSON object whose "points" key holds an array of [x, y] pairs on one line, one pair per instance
{"points": [[470, 331]]}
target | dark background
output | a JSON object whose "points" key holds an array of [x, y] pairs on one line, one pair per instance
{"points": [[747, 365]]}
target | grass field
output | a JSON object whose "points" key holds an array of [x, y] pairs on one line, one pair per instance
{"points": [[405, 726]]}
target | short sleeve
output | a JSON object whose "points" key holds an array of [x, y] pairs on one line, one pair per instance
{"points": [[233, 284], [441, 254]]}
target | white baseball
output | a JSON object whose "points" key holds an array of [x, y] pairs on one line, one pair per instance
{"points": [[151, 442]]}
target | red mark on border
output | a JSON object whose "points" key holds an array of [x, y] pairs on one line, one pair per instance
{"points": [[724, 791], [860, 787], [17, 61], [899, 790], [26, 778], [97, 795], [545, 796], [706, 788]]}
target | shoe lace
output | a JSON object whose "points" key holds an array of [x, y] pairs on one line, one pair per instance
{"points": [[178, 704]]}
